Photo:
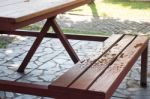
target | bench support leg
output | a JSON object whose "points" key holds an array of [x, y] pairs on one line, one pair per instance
{"points": [[144, 59]]}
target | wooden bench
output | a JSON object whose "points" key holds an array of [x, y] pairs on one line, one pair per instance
{"points": [[97, 77]]}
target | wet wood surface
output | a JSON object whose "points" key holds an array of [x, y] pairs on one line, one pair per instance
{"points": [[68, 78], [101, 64], [112, 77], [102, 76]]}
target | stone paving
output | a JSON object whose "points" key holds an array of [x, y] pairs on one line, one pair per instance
{"points": [[51, 59], [104, 24]]}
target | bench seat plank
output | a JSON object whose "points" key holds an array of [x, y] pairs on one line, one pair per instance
{"points": [[86, 79], [67, 78], [112, 77]]}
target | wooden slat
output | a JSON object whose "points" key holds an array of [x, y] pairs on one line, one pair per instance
{"points": [[67, 78], [53, 35], [102, 64], [28, 88], [112, 77], [43, 90], [22, 11]]}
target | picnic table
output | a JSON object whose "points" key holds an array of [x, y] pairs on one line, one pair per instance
{"points": [[15, 14], [93, 78]]}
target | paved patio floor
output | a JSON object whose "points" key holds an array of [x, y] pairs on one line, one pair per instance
{"points": [[51, 60]]}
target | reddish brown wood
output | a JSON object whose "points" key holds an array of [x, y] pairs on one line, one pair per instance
{"points": [[53, 35], [42, 90], [64, 41], [79, 94], [70, 76], [50, 22], [112, 77], [144, 59], [25, 88], [99, 67], [11, 24], [35, 46]]}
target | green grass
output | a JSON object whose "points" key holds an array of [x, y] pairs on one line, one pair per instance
{"points": [[68, 30], [35, 27], [76, 31], [116, 8], [5, 40], [131, 4]]}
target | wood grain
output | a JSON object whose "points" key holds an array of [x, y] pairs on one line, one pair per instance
{"points": [[102, 64], [21, 10], [112, 77], [67, 78]]}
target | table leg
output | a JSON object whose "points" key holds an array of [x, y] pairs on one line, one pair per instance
{"points": [[61, 36], [35, 46], [144, 59], [64, 41]]}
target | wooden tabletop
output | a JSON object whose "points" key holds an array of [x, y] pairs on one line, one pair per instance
{"points": [[21, 10]]}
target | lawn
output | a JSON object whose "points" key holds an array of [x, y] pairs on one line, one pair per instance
{"points": [[37, 27], [5, 40], [116, 9]]}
